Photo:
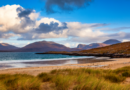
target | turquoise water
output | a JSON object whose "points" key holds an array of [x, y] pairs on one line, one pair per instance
{"points": [[22, 56], [30, 59]]}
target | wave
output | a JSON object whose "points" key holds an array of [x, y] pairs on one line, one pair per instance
{"points": [[34, 60]]}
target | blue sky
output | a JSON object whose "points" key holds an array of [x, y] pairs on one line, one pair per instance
{"points": [[114, 13]]}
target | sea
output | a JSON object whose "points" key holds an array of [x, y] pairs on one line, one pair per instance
{"points": [[31, 59]]}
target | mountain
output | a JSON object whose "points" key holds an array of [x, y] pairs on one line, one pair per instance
{"points": [[5, 46], [90, 46], [97, 45], [45, 46], [81, 46], [120, 48], [112, 41]]}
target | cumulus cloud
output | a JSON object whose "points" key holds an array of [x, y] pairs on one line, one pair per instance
{"points": [[27, 24], [8, 17], [24, 12], [46, 28], [33, 35], [30, 25], [64, 5], [12, 20], [16, 19], [8, 35]]}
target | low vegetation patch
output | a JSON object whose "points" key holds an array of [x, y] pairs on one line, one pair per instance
{"points": [[68, 79], [19, 82]]}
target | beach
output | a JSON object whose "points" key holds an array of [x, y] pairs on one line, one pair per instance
{"points": [[98, 64]]}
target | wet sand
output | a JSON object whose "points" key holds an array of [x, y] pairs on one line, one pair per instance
{"points": [[39, 63], [82, 63]]}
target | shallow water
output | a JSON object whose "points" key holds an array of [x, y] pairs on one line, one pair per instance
{"points": [[30, 59], [15, 56]]}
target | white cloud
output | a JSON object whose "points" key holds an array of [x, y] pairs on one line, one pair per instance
{"points": [[11, 25], [1, 41], [82, 30], [8, 35], [8, 17], [125, 40], [34, 16], [71, 45], [28, 43], [10, 21], [67, 44], [47, 21]]}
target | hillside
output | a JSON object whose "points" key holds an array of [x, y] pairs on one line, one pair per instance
{"points": [[112, 41], [5, 46], [90, 46], [121, 48], [97, 45], [44, 46], [81, 46]]}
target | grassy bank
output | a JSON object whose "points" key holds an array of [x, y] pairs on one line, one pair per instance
{"points": [[68, 79]]}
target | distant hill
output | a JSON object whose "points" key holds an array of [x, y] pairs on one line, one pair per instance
{"points": [[81, 46], [45, 46], [120, 48], [5, 46], [97, 45], [93, 45], [112, 41]]}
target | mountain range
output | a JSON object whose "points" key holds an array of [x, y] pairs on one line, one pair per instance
{"points": [[45, 46], [41, 46], [96, 45], [120, 48]]}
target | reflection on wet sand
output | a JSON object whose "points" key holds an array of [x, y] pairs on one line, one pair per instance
{"points": [[83, 61], [56, 62], [5, 66], [49, 63]]}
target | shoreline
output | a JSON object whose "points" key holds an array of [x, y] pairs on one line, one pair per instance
{"points": [[112, 64], [34, 60], [50, 62], [114, 55]]}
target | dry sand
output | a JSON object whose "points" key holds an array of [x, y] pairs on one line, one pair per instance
{"points": [[111, 64]]}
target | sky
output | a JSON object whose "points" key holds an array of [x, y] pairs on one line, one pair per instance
{"points": [[68, 22]]}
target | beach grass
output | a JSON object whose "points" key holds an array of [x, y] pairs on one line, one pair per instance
{"points": [[69, 79]]}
